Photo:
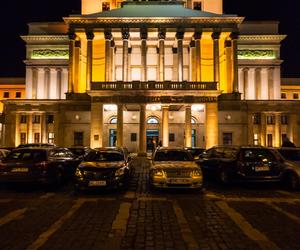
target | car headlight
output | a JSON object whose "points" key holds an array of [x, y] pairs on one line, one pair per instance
{"points": [[196, 173], [78, 173], [158, 173], [119, 172]]}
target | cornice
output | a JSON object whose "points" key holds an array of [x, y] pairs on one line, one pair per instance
{"points": [[277, 38], [37, 62], [43, 38]]}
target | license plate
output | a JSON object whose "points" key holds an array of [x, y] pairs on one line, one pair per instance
{"points": [[179, 181], [19, 170], [262, 168], [97, 183]]}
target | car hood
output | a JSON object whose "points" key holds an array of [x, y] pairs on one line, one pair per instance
{"points": [[89, 164], [174, 164]]}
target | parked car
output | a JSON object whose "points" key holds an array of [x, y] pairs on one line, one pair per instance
{"points": [[245, 164], [3, 153], [174, 168], [195, 152], [292, 155], [37, 165], [37, 145], [80, 151], [103, 168]]}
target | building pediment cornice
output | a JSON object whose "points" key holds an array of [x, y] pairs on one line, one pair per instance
{"points": [[264, 38], [45, 38]]}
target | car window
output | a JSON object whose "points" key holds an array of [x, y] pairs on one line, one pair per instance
{"points": [[230, 152], [172, 156], [257, 155], [214, 153], [26, 155], [291, 155], [104, 156]]}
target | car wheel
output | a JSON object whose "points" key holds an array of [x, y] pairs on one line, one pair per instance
{"points": [[224, 177], [292, 181]]}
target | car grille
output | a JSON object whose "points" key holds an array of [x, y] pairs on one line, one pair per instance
{"points": [[178, 173], [99, 175]]}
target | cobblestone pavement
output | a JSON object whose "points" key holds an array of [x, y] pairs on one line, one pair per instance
{"points": [[236, 217]]}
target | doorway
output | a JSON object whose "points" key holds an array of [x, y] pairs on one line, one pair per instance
{"points": [[152, 135], [112, 137]]}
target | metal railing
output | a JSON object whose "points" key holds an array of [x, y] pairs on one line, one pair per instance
{"points": [[136, 85]]}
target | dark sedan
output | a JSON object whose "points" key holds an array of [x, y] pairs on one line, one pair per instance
{"points": [[102, 168], [245, 164], [37, 165]]}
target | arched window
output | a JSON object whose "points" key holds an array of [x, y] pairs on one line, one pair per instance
{"points": [[194, 121], [152, 120], [113, 120]]}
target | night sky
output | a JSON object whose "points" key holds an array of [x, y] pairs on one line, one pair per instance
{"points": [[16, 14]]}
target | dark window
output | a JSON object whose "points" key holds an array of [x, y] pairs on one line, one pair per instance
{"points": [[172, 155], [133, 136], [197, 6], [256, 118], [23, 138], [283, 95], [284, 138], [284, 119], [23, 119], [227, 138], [18, 94], [296, 96], [270, 119], [36, 137], [172, 137], [105, 6], [50, 137], [78, 138], [50, 119], [257, 155], [22, 154], [104, 156], [6, 95], [36, 119], [269, 140]]}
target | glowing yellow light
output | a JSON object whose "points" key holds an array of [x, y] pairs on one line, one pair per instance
{"points": [[153, 107], [110, 107], [198, 107]]}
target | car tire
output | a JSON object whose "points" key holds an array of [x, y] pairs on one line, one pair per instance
{"points": [[292, 181], [224, 177]]}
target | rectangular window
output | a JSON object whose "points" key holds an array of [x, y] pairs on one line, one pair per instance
{"points": [[256, 118], [50, 119], [23, 119], [78, 138], [36, 119], [283, 95], [296, 96], [171, 137], [270, 119], [284, 119], [197, 6], [269, 140], [18, 94], [23, 138], [36, 137], [6, 95], [227, 138], [105, 6], [50, 137], [283, 138], [255, 140], [133, 136]]}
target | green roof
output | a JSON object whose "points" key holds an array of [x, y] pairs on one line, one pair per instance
{"points": [[154, 10]]}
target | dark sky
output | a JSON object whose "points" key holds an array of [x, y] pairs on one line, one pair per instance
{"points": [[16, 14]]}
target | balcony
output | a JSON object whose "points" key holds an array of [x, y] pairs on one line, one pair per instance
{"points": [[136, 85]]}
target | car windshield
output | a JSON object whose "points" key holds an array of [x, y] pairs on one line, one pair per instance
{"points": [[291, 155], [172, 155], [61, 153], [196, 151], [104, 156], [27, 155], [78, 151], [257, 155]]}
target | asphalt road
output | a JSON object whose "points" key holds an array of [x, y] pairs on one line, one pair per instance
{"points": [[236, 217]]}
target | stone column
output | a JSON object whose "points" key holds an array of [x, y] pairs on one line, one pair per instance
{"points": [[263, 129], [162, 37], [144, 36], [188, 126], [17, 131], [89, 59], [179, 37], [277, 141], [47, 83], [216, 51], [293, 129], [250, 133], [29, 129], [44, 128], [72, 37], [112, 61], [35, 72], [271, 83], [198, 36], [76, 67], [108, 37], [96, 133], [258, 84], [192, 62], [59, 83], [165, 125], [246, 83], [125, 36], [142, 134], [234, 39], [229, 64], [120, 126], [211, 125]]}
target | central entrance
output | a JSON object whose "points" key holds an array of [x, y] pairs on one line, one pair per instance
{"points": [[152, 139]]}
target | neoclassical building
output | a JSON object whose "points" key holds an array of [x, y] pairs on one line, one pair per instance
{"points": [[128, 73]]}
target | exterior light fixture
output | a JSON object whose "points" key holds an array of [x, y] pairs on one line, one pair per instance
{"points": [[77, 117], [133, 117], [228, 117]]}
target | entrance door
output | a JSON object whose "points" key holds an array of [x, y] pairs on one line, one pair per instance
{"points": [[112, 137], [152, 139]]}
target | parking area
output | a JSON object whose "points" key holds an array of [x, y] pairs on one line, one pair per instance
{"points": [[218, 217]]}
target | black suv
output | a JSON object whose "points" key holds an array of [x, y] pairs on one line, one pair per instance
{"points": [[245, 164]]}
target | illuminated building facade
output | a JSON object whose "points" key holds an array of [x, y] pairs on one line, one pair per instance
{"points": [[131, 73]]}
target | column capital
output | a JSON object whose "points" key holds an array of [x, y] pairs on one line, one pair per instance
{"points": [[198, 35], [227, 43], [89, 35], [179, 35], [143, 33], [107, 35], [162, 34], [192, 44], [215, 35], [125, 34], [77, 44], [234, 35], [257, 69], [112, 44], [71, 34]]}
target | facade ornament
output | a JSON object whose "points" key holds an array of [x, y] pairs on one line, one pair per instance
{"points": [[179, 35], [215, 35], [234, 35], [256, 54], [162, 34], [89, 35], [50, 54], [143, 33], [125, 34], [198, 35], [107, 35]]}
